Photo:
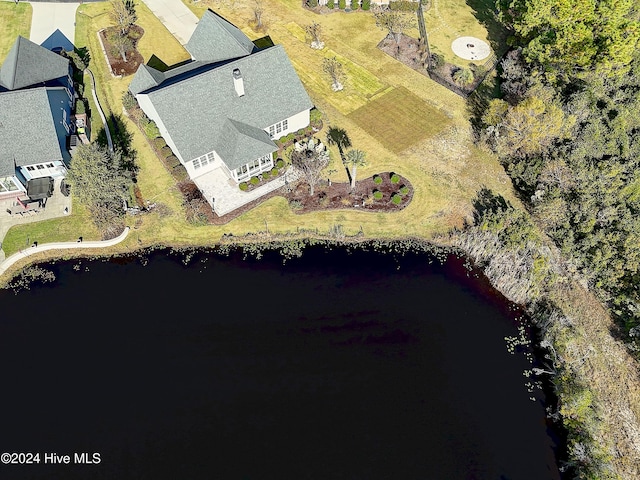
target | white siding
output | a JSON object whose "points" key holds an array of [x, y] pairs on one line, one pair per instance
{"points": [[210, 165], [150, 111], [294, 123]]}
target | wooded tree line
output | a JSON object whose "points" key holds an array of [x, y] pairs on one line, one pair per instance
{"points": [[566, 129]]}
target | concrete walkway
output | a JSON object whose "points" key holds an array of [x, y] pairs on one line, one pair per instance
{"points": [[49, 17], [4, 266], [176, 16]]}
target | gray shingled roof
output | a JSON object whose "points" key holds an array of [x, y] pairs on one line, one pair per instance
{"points": [[216, 40], [145, 78], [29, 64], [195, 109], [27, 131], [240, 142]]}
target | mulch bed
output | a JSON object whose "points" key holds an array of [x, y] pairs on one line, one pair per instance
{"points": [[134, 58], [330, 197], [340, 196]]}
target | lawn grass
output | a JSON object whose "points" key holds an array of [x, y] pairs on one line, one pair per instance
{"points": [[15, 19], [448, 20], [63, 229], [399, 119]]}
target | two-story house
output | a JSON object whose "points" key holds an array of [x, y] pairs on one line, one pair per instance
{"points": [[36, 101]]}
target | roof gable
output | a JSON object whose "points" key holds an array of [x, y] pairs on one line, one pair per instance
{"points": [[216, 40], [28, 64], [58, 40], [145, 78], [239, 142]]}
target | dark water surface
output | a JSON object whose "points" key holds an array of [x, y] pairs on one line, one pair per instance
{"points": [[332, 366]]}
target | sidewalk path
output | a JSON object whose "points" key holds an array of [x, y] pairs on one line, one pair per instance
{"points": [[4, 266], [49, 17], [176, 16]]}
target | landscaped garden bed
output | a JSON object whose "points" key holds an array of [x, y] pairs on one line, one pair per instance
{"points": [[117, 65], [384, 192], [263, 178]]}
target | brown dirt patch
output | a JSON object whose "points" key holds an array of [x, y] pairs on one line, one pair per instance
{"points": [[134, 58]]}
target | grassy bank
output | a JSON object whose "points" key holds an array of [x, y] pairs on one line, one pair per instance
{"points": [[15, 19]]}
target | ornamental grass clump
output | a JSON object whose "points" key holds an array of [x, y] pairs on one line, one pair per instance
{"points": [[254, 180], [243, 186], [396, 199], [378, 195], [377, 179], [404, 190]]}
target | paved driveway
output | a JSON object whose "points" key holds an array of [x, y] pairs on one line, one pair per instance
{"points": [[175, 15], [49, 17]]}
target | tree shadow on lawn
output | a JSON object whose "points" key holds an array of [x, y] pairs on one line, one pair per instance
{"points": [[485, 13]]}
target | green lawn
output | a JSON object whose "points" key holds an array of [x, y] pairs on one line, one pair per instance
{"points": [[399, 119], [65, 229], [450, 19], [15, 19]]}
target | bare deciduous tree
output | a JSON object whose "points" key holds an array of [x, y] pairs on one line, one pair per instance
{"points": [[123, 14], [121, 43], [314, 32], [332, 67], [258, 11], [310, 162], [394, 22]]}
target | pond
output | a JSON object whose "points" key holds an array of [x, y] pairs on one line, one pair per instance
{"points": [[336, 365]]}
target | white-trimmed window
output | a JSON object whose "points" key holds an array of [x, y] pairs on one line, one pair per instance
{"points": [[278, 128], [196, 163], [8, 184], [64, 120]]}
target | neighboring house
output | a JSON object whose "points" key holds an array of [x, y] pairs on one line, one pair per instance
{"points": [[36, 100], [223, 109]]}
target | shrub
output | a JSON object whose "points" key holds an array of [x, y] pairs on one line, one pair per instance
{"points": [[265, 175], [280, 163], [355, 4], [180, 173], [300, 132], [404, 190], [331, 4], [312, 3], [274, 172], [377, 195], [254, 180], [129, 101], [437, 60], [463, 77], [151, 130], [377, 179], [395, 178], [315, 115], [144, 121], [172, 161], [243, 186], [342, 4], [295, 204], [366, 4], [80, 90], [166, 152], [159, 143], [403, 6], [396, 199], [80, 106]]}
